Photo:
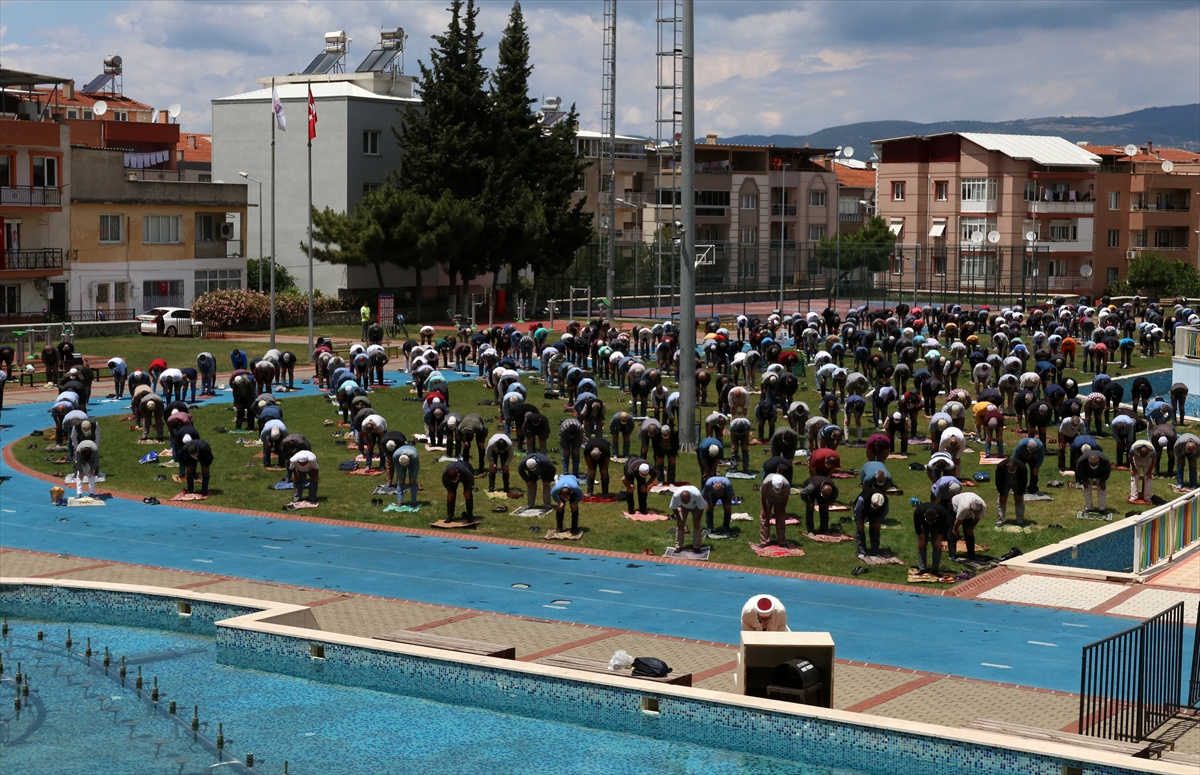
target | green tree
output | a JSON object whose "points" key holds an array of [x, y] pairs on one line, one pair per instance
{"points": [[283, 278], [870, 247], [446, 142], [1154, 275]]}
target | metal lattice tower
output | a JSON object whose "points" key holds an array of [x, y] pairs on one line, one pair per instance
{"points": [[608, 155], [668, 123]]}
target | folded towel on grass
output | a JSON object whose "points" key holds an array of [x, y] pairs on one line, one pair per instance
{"points": [[883, 558], [653, 516], [190, 496], [406, 509], [828, 538], [789, 550], [536, 511], [566, 535]]}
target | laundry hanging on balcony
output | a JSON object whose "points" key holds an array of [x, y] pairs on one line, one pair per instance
{"points": [[139, 161]]}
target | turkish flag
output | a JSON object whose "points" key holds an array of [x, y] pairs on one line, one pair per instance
{"points": [[312, 115]]}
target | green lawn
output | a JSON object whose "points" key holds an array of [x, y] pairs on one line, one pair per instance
{"points": [[239, 482]]}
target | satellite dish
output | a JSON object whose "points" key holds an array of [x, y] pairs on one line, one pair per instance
{"points": [[175, 110], [1031, 236], [1085, 270], [1131, 150], [977, 237], [993, 237], [100, 108], [848, 151], [1168, 166]]}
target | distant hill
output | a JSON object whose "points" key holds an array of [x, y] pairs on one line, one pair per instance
{"points": [[1177, 126]]}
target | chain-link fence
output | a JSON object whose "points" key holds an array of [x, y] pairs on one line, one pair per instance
{"points": [[799, 276]]}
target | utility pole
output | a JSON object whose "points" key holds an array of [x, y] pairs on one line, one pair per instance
{"points": [[608, 127], [687, 252]]}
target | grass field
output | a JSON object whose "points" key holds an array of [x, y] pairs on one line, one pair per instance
{"points": [[239, 481]]}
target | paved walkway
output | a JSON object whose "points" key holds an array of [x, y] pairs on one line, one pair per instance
{"points": [[859, 687]]}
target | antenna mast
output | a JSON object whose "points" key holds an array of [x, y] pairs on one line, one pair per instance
{"points": [[667, 142], [608, 156]]}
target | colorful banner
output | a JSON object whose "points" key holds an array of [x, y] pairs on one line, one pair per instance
{"points": [[387, 309]]}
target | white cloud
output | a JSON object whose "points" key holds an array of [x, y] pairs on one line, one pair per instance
{"points": [[787, 67]]}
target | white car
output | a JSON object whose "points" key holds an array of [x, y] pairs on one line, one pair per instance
{"points": [[177, 321]]}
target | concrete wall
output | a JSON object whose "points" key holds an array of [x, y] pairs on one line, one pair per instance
{"points": [[82, 331], [242, 143]]}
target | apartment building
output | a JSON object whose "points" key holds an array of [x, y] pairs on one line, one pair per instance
{"points": [[629, 182], [1147, 201], [856, 198], [138, 244], [1004, 213]]}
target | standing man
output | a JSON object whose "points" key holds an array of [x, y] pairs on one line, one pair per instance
{"points": [[364, 314]]}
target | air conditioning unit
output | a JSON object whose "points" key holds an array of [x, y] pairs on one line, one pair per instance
{"points": [[1130, 254], [227, 230]]}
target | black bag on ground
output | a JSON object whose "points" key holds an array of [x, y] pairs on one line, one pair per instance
{"points": [[650, 667]]}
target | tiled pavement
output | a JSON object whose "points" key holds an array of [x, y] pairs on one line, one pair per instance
{"points": [[1150, 602], [1185, 574], [872, 689], [1054, 591]]}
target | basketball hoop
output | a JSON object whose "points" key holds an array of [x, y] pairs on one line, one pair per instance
{"points": [[706, 255]]}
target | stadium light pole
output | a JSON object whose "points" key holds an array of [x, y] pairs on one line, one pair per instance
{"points": [[687, 253], [260, 228]]}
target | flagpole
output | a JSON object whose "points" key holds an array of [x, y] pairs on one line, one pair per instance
{"points": [[310, 235], [274, 121]]}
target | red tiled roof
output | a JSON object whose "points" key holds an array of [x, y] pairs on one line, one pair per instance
{"points": [[201, 153], [1160, 154], [851, 177], [80, 100]]}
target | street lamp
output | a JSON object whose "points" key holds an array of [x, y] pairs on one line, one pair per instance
{"points": [[845, 152], [260, 229]]}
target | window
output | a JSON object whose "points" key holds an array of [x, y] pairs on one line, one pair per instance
{"points": [[1114, 238], [1139, 238], [849, 208], [10, 299], [102, 293], [815, 233], [896, 227], [1162, 238], [968, 226], [120, 115], [166, 293], [816, 198], [1114, 200], [939, 264], [1111, 275], [749, 202], [119, 293], [6, 171], [898, 191], [975, 264], [941, 190], [371, 143], [1056, 267], [897, 263], [87, 114], [110, 228], [160, 229], [204, 177], [712, 203], [979, 190], [368, 187], [205, 228], [1030, 192], [1063, 231], [45, 171], [217, 280], [749, 236]]}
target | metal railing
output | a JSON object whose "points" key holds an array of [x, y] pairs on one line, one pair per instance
{"points": [[1160, 207], [153, 302], [1130, 682], [783, 209], [33, 258], [91, 315], [1194, 683], [33, 196], [218, 248], [152, 174], [1163, 532]]}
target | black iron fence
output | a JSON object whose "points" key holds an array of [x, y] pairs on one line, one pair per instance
{"points": [[1194, 684], [93, 315], [798, 276], [1131, 681], [34, 258]]}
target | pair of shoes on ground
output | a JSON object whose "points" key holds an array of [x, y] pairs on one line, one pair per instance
{"points": [[151, 501]]}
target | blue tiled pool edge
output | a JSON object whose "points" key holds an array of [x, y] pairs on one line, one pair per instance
{"points": [[688, 719]]}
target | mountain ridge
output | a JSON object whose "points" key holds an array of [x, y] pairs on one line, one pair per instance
{"points": [[1169, 126]]}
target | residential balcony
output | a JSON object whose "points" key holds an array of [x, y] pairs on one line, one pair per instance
{"points": [[32, 259], [1066, 245], [1060, 208], [218, 248], [152, 174], [1161, 207], [783, 209], [986, 206], [854, 217], [31, 196]]}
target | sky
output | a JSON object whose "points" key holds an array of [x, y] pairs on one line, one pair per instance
{"points": [[762, 66]]}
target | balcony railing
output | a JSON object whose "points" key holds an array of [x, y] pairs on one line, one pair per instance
{"points": [[31, 196], [152, 174], [1160, 207], [970, 206], [1056, 208], [783, 209], [218, 248], [91, 315], [153, 302], [35, 258], [850, 216]]}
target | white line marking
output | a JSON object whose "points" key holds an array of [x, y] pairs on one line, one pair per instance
{"points": [[201, 560], [664, 574], [1041, 643], [559, 607], [1002, 667], [271, 547], [8, 511], [611, 591], [1068, 624]]}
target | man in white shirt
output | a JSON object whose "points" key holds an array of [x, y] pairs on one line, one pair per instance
{"points": [[764, 613]]}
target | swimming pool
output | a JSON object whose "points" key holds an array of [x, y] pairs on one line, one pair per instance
{"points": [[84, 719], [333, 703]]}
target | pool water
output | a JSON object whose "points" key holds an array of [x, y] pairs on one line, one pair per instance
{"points": [[78, 720]]}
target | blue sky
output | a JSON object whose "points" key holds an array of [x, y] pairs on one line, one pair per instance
{"points": [[762, 67]]}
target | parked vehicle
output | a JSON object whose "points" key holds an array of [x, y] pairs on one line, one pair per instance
{"points": [[177, 321]]}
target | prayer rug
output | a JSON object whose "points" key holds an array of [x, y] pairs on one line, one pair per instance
{"points": [[1039, 496], [599, 499], [86, 500], [895, 456], [1131, 501], [789, 550], [740, 475], [961, 547], [149, 441], [566, 535], [405, 509], [464, 522], [501, 495], [916, 577], [987, 460], [384, 489], [741, 516], [883, 558], [294, 505], [653, 516], [190, 496], [828, 538], [687, 553], [365, 472]]}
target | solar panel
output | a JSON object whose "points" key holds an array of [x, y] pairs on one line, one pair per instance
{"points": [[322, 63], [377, 60], [96, 83]]}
